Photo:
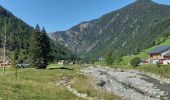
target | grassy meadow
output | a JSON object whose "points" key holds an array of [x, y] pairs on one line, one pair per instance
{"points": [[163, 70], [34, 84]]}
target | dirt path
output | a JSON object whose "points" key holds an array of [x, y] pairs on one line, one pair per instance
{"points": [[131, 85], [78, 94], [65, 81]]}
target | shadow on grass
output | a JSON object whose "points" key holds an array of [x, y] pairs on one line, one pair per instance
{"points": [[63, 68]]}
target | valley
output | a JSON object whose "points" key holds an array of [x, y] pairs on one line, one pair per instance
{"points": [[128, 30], [122, 55]]}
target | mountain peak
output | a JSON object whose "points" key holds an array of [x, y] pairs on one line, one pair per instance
{"points": [[144, 1], [128, 30]]}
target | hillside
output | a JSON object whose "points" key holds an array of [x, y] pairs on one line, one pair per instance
{"points": [[144, 54], [129, 30], [18, 34], [17, 30]]}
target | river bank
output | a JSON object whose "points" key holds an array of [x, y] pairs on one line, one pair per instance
{"points": [[130, 84]]}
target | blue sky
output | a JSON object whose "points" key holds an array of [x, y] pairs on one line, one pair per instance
{"points": [[57, 15]]}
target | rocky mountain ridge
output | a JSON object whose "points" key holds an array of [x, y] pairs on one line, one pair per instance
{"points": [[129, 30]]}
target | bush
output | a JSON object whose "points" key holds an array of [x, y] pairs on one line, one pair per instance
{"points": [[93, 60], [113, 57], [158, 64], [135, 62], [109, 58]]}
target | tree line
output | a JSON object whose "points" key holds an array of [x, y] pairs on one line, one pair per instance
{"points": [[43, 50]]}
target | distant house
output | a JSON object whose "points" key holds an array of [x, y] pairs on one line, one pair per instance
{"points": [[160, 54], [7, 63], [25, 64], [100, 59], [61, 62], [71, 63]]}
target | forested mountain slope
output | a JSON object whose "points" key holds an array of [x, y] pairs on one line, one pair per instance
{"points": [[129, 30], [18, 36], [17, 31]]}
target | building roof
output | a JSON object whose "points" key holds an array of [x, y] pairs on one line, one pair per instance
{"points": [[159, 49], [167, 54]]}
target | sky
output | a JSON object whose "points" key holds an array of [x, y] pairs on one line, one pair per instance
{"points": [[60, 15]]}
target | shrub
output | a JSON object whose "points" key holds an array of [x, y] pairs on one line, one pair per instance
{"points": [[109, 58], [158, 64], [113, 57], [135, 62], [93, 60]]}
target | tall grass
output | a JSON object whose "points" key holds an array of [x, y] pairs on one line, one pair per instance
{"points": [[33, 84], [163, 70]]}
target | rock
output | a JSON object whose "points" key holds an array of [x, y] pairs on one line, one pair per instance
{"points": [[127, 84]]}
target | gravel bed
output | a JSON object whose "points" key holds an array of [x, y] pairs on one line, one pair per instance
{"points": [[130, 84]]}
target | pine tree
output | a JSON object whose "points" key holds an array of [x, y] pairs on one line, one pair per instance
{"points": [[37, 28], [45, 42], [39, 48], [35, 50]]}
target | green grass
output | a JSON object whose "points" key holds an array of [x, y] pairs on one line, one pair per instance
{"points": [[9, 70], [163, 70], [34, 84], [100, 63], [143, 54], [54, 66], [84, 85]]}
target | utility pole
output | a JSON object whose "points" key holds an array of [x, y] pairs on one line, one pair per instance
{"points": [[4, 49], [4, 45]]}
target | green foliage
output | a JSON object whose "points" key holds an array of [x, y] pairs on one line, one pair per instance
{"points": [[93, 60], [113, 57], [144, 53], [135, 61], [19, 42], [18, 33], [39, 48], [158, 64], [45, 42], [109, 59], [118, 57], [59, 52], [128, 30]]}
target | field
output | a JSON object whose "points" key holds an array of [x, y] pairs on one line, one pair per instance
{"points": [[37, 84], [163, 70]]}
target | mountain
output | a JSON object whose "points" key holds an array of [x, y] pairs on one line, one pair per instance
{"points": [[17, 31], [129, 30], [18, 35]]}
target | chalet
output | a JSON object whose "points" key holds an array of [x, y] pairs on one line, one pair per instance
{"points": [[61, 62], [8, 61], [160, 54]]}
